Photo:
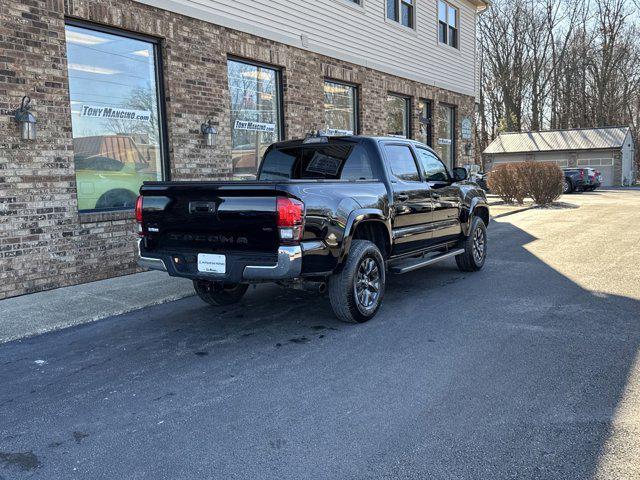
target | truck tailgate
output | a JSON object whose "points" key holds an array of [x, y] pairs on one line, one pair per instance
{"points": [[211, 216]]}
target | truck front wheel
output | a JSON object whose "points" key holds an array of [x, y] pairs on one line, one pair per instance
{"points": [[356, 291], [219, 294], [475, 248]]}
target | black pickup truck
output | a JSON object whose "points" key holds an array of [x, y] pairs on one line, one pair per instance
{"points": [[332, 214]]}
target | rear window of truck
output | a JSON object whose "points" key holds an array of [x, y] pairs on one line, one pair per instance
{"points": [[336, 161]]}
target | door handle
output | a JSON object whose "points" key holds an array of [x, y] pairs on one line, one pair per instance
{"points": [[402, 197]]}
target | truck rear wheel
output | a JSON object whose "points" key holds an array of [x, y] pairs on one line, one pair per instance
{"points": [[356, 292], [475, 247], [219, 294]]}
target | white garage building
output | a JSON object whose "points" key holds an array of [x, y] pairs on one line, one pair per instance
{"points": [[609, 150]]}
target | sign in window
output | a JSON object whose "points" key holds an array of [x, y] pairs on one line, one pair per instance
{"points": [[340, 109], [255, 114], [115, 116]]}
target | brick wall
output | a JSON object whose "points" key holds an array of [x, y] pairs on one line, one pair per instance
{"points": [[44, 241]]}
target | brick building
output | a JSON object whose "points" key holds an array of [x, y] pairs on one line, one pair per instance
{"points": [[120, 89]]}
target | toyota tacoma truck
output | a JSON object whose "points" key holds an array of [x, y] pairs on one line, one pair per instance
{"points": [[330, 214]]}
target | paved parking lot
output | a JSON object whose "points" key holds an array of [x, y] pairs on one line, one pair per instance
{"points": [[528, 369]]}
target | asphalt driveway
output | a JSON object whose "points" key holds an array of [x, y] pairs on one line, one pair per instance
{"points": [[528, 369]]}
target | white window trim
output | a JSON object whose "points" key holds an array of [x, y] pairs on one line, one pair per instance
{"points": [[398, 23], [458, 23], [356, 6]]}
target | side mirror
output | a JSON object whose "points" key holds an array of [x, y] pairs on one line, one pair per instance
{"points": [[460, 174]]}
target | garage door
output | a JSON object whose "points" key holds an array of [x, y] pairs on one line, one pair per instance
{"points": [[603, 165]]}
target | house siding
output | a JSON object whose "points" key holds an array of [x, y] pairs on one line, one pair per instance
{"points": [[357, 34]]}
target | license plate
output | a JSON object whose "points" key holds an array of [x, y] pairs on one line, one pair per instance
{"points": [[211, 263]]}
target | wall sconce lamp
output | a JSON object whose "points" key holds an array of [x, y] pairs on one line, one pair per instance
{"points": [[26, 119], [210, 133]]}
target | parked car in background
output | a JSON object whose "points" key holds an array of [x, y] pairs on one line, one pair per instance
{"points": [[577, 179], [330, 214], [595, 180], [107, 183]]}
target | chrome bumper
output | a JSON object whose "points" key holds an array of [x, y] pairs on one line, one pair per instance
{"points": [[150, 263], [289, 266]]}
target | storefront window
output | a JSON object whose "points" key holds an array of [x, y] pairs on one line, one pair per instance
{"points": [[255, 114], [426, 122], [116, 122], [397, 116], [340, 108], [446, 135]]}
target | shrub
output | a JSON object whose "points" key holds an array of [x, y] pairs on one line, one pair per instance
{"points": [[516, 181], [505, 182], [542, 181]]}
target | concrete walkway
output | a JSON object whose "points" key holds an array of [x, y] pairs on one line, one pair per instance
{"points": [[42, 312]]}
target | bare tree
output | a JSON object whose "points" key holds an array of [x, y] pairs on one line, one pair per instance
{"points": [[558, 64]]}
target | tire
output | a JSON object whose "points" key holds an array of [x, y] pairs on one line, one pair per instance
{"points": [[219, 294], [567, 187], [356, 292], [475, 248], [117, 198]]}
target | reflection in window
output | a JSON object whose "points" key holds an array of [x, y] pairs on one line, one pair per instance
{"points": [[114, 115], [255, 114], [344, 161], [426, 122], [340, 109], [397, 116], [433, 169], [446, 137], [402, 163]]}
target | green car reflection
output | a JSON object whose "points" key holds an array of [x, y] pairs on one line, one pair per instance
{"points": [[107, 183]]}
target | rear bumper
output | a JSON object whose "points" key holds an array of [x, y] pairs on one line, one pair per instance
{"points": [[288, 266]]}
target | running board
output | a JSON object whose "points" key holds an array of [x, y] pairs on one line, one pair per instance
{"points": [[415, 264]]}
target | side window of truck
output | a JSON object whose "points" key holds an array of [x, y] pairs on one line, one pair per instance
{"points": [[432, 168], [357, 166], [402, 163]]}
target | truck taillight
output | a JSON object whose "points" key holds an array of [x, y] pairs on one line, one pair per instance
{"points": [[139, 215], [290, 219]]}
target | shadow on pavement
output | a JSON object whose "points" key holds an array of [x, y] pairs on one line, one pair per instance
{"points": [[515, 371]]}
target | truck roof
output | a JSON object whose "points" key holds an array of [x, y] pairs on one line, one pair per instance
{"points": [[351, 138]]}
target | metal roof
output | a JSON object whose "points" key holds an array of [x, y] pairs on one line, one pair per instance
{"points": [[559, 140]]}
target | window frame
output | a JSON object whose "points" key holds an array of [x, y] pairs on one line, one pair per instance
{"points": [[398, 10], [457, 27], [389, 169], [279, 71], [356, 99], [408, 101], [158, 51]]}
